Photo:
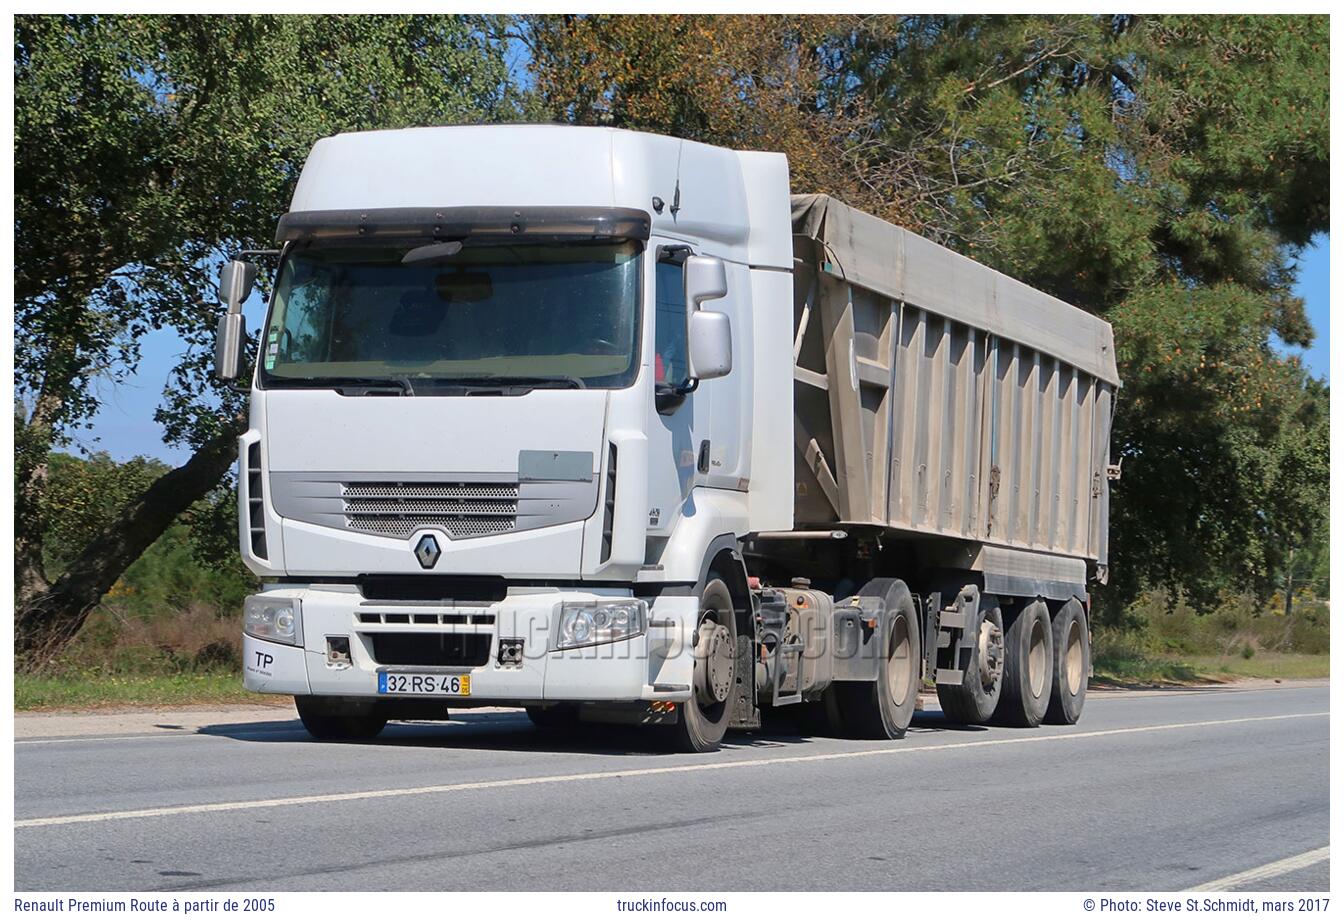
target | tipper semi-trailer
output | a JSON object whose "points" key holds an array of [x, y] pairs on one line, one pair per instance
{"points": [[609, 426]]}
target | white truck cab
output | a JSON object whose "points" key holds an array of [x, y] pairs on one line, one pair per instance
{"points": [[503, 412]]}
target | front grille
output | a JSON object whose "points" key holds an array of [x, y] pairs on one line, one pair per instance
{"points": [[439, 589], [466, 650], [436, 619], [399, 509]]}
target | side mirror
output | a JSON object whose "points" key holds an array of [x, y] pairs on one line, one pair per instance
{"points": [[706, 279], [709, 344], [235, 283], [709, 340], [229, 347]]}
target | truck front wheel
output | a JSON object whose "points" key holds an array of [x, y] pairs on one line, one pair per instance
{"points": [[337, 720], [703, 720]]}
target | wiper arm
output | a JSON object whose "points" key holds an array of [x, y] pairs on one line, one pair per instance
{"points": [[514, 380], [369, 385]]}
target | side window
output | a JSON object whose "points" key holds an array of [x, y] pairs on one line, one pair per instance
{"points": [[669, 334], [293, 335]]}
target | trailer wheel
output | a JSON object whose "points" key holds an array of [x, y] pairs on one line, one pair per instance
{"points": [[972, 702], [336, 720], [883, 708], [1028, 668], [552, 718], [1072, 661], [703, 720]]}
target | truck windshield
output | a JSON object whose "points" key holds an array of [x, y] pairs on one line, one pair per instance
{"points": [[539, 314]]}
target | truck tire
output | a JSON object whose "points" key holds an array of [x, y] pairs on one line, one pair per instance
{"points": [[1072, 662], [1028, 667], [703, 720], [335, 720], [553, 718], [882, 709], [973, 701], [820, 716]]}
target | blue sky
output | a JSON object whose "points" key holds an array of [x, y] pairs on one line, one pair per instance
{"points": [[125, 425]]}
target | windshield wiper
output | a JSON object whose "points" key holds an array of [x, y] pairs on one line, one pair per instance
{"points": [[400, 384], [350, 386], [512, 380]]}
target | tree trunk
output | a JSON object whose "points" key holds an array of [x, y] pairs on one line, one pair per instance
{"points": [[33, 439], [1288, 587], [50, 618]]}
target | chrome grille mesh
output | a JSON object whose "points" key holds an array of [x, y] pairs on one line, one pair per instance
{"points": [[399, 509]]}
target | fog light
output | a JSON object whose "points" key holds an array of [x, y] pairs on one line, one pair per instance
{"points": [[338, 651]]}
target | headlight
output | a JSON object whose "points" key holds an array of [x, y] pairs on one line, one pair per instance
{"points": [[596, 622], [275, 619]]}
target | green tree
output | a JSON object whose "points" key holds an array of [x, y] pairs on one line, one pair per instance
{"points": [[1163, 172], [194, 560], [147, 148]]}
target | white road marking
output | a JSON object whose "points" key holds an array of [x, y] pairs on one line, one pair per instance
{"points": [[625, 774], [1267, 871]]}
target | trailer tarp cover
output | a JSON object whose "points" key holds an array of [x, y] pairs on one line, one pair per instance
{"points": [[871, 253]]}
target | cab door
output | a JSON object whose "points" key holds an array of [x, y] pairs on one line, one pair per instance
{"points": [[678, 431]]}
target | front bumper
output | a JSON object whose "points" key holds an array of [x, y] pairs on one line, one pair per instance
{"points": [[654, 666]]}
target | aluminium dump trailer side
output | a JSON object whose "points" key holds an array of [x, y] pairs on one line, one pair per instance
{"points": [[935, 396]]}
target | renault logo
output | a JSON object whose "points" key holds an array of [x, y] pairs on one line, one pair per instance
{"points": [[427, 551]]}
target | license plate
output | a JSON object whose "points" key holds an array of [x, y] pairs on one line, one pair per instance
{"points": [[425, 684]]}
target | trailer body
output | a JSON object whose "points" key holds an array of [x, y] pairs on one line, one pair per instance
{"points": [[936, 396]]}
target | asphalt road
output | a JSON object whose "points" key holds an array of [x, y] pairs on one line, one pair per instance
{"points": [[1152, 791]]}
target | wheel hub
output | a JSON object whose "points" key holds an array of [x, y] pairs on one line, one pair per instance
{"points": [[713, 663], [1073, 658], [991, 654]]}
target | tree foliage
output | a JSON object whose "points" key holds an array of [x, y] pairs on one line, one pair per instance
{"points": [[194, 562], [1163, 172], [147, 148]]}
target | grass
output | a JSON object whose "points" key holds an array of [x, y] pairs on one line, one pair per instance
{"points": [[1134, 670], [98, 691], [1138, 670], [1162, 643], [186, 656], [1265, 664]]}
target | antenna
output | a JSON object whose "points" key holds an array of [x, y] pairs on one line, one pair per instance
{"points": [[676, 191]]}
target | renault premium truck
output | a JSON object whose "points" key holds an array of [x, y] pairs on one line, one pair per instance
{"points": [[607, 425]]}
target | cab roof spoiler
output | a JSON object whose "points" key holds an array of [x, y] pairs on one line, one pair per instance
{"points": [[532, 223]]}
